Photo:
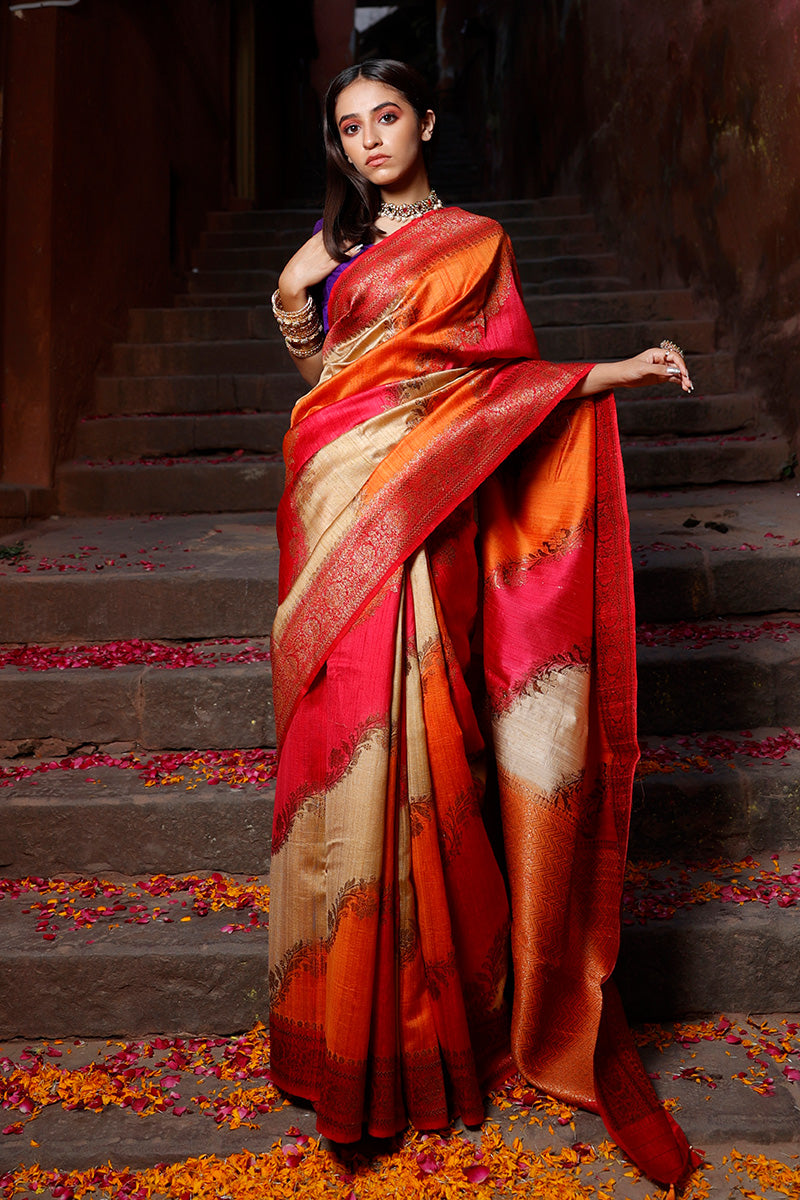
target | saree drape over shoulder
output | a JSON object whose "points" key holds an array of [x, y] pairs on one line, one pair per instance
{"points": [[455, 629]]}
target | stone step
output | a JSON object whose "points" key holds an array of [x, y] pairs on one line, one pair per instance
{"points": [[558, 344], [216, 706], [127, 437], [533, 271], [527, 245], [223, 299], [289, 236], [171, 434], [541, 206], [292, 236], [248, 483], [725, 684], [188, 976], [247, 357], [740, 458], [686, 584], [706, 552], [743, 677], [276, 391], [566, 342], [246, 258], [716, 795], [126, 978], [254, 283], [546, 285], [703, 1081], [95, 579], [304, 218], [214, 324], [106, 819], [266, 218], [123, 1141], [681, 414], [234, 323], [533, 245], [610, 308], [711, 957], [570, 273], [533, 226], [203, 576]]}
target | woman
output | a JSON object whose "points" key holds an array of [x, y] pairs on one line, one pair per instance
{"points": [[417, 681]]}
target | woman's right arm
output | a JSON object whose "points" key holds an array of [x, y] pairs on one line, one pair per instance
{"points": [[308, 267]]}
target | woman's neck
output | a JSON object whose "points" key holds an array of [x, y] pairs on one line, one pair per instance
{"points": [[408, 191], [399, 207]]}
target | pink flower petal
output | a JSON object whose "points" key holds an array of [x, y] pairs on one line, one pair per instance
{"points": [[477, 1174]]}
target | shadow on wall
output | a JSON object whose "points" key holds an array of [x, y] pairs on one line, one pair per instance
{"points": [[681, 127]]}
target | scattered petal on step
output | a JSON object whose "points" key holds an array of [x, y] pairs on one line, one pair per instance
{"points": [[478, 1173]]}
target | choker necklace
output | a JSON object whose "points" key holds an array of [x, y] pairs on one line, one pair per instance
{"points": [[404, 212]]}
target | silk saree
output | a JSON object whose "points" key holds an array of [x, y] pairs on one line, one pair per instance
{"points": [[454, 638]]}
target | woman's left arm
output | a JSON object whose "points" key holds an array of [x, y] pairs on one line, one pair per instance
{"points": [[653, 366]]}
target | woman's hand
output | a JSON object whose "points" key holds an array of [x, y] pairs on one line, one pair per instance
{"points": [[309, 266], [647, 369], [652, 367]]}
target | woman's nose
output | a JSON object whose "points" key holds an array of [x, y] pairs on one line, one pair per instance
{"points": [[371, 137]]}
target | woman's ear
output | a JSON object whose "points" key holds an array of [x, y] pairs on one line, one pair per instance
{"points": [[428, 122]]}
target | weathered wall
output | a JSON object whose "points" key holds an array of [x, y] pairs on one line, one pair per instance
{"points": [[127, 106], [680, 124], [289, 138]]}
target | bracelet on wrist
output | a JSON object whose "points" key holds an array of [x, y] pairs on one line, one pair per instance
{"points": [[301, 328], [288, 315], [308, 352]]}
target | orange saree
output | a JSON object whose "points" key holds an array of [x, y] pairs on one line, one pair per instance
{"points": [[418, 680]]}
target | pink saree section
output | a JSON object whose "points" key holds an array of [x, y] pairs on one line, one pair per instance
{"points": [[416, 680]]}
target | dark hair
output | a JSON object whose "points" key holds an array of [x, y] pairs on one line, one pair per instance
{"points": [[352, 202]]}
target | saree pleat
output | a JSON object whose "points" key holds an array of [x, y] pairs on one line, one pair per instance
{"points": [[390, 1006], [408, 667]]}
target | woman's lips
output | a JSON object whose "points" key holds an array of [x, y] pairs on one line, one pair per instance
{"points": [[375, 160]]}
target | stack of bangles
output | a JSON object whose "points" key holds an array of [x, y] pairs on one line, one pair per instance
{"points": [[302, 330]]}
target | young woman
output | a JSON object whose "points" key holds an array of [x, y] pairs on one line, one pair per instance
{"points": [[455, 631]]}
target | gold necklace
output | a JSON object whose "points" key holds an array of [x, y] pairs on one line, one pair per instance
{"points": [[404, 212]]}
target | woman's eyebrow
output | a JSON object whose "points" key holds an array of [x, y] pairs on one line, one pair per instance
{"points": [[377, 108]]}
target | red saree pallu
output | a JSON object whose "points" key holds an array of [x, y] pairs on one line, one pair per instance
{"points": [[408, 668]]}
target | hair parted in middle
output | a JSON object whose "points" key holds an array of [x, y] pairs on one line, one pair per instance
{"points": [[352, 202]]}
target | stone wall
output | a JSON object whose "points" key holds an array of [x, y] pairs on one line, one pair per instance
{"points": [[680, 124], [116, 130]]}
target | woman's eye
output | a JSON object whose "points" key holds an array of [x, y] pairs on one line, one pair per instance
{"points": [[349, 130], [388, 117]]}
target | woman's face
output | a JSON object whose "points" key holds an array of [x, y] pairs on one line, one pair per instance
{"points": [[382, 135]]}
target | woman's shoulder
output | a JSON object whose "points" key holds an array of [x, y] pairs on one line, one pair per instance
{"points": [[476, 223]]}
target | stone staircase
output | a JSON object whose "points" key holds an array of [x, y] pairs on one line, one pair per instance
{"points": [[164, 561]]}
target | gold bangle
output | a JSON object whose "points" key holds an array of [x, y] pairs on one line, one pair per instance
{"points": [[291, 316], [311, 322], [313, 336], [309, 352]]}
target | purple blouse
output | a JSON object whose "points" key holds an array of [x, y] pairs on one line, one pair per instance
{"points": [[327, 284]]}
